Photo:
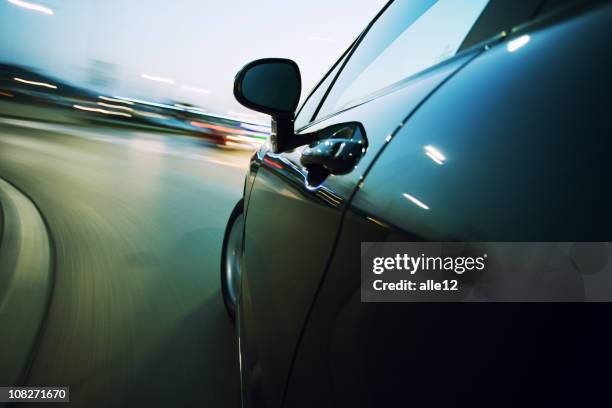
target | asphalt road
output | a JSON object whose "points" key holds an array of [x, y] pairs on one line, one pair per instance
{"points": [[137, 219]]}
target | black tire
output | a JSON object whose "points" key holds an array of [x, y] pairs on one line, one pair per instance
{"points": [[230, 297]]}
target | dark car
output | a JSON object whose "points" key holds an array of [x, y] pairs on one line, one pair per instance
{"points": [[471, 121]]}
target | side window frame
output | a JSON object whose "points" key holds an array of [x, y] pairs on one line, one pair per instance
{"points": [[528, 12], [346, 56], [320, 83]]}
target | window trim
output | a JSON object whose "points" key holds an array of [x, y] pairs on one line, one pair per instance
{"points": [[475, 49], [348, 53], [348, 58], [323, 79], [385, 90], [462, 50]]}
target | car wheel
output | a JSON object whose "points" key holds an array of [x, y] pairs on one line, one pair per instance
{"points": [[231, 259]]}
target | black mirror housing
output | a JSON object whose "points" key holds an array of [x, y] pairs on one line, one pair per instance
{"points": [[272, 86], [269, 85]]}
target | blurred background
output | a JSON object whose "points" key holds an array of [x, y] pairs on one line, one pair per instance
{"points": [[122, 154], [163, 64]]}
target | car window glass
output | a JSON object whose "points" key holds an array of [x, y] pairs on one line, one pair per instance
{"points": [[409, 37], [312, 103]]}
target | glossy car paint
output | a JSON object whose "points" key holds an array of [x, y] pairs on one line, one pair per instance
{"points": [[289, 219], [526, 136], [302, 239]]}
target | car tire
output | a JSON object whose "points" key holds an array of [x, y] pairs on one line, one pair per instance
{"points": [[231, 259]]}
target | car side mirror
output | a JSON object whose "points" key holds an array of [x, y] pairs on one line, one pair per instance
{"points": [[272, 86]]}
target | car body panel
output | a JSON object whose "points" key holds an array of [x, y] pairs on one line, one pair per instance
{"points": [[525, 133], [306, 219]]}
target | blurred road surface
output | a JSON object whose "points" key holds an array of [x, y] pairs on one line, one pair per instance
{"points": [[137, 219]]}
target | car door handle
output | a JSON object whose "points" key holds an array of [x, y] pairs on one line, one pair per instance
{"points": [[338, 154]]}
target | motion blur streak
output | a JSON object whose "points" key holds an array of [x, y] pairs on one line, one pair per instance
{"points": [[150, 115], [106, 112], [157, 78], [108, 105], [106, 98], [257, 128], [208, 126], [137, 217], [25, 81], [32, 6]]}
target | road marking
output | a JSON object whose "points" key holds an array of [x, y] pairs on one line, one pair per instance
{"points": [[26, 281]]}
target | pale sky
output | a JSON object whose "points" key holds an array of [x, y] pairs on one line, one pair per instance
{"points": [[199, 45]]}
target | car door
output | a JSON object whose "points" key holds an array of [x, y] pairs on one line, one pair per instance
{"points": [[521, 139], [293, 218]]}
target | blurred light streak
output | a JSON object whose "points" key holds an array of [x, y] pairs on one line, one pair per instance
{"points": [[150, 115], [7, 94], [35, 83], [213, 127], [258, 135], [108, 105], [193, 109], [235, 138], [141, 101], [518, 43], [165, 106], [245, 140], [106, 98], [256, 128], [127, 115], [199, 111], [196, 89], [234, 145], [104, 111], [375, 221], [416, 201], [157, 78], [32, 6]]}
